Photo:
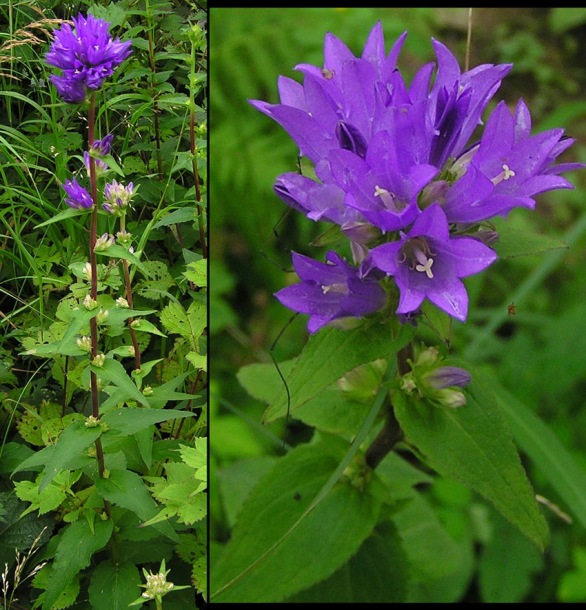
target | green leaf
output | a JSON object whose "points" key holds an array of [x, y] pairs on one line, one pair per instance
{"points": [[331, 353], [117, 251], [76, 547], [113, 372], [127, 489], [146, 327], [67, 451], [68, 213], [537, 440], [129, 421], [189, 324], [513, 242], [508, 564], [186, 214], [279, 519], [197, 273], [114, 585], [378, 573], [473, 444]]}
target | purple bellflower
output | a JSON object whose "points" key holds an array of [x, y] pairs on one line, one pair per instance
{"points": [[331, 290], [77, 196], [396, 169], [86, 55], [427, 262]]}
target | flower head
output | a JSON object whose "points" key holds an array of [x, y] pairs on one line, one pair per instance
{"points": [[330, 291], [86, 55], [395, 161], [117, 196], [77, 196]]}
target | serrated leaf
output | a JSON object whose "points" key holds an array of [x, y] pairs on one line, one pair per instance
{"points": [[67, 596], [77, 545], [189, 324], [538, 441], [331, 353], [130, 421], [265, 548], [197, 273], [473, 445], [114, 585], [127, 489]]}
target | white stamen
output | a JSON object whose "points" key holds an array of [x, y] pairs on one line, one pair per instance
{"points": [[508, 173], [426, 268]]}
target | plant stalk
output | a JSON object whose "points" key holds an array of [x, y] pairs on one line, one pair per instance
{"points": [[391, 432]]}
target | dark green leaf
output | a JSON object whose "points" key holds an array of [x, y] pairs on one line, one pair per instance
{"points": [[127, 489], [378, 573], [474, 445], [538, 441], [269, 543], [76, 547], [114, 585], [329, 354], [130, 421]]}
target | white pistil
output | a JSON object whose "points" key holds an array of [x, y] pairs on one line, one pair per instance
{"points": [[426, 267]]}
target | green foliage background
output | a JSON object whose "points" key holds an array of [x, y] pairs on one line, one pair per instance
{"points": [[146, 105], [536, 354]]}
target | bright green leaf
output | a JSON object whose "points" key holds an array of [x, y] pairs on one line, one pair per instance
{"points": [[69, 448], [513, 242], [113, 372]]}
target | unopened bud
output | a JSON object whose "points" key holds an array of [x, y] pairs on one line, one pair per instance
{"points": [[447, 376], [87, 272], [103, 242], [102, 316], [122, 302], [89, 303], [84, 343], [451, 397], [99, 360]]}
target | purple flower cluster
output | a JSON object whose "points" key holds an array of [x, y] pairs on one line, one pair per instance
{"points": [[86, 55], [397, 171]]}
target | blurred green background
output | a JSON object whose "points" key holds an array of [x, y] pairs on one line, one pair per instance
{"points": [[539, 353]]}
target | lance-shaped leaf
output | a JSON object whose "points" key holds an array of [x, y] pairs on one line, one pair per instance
{"points": [[474, 445], [130, 421]]}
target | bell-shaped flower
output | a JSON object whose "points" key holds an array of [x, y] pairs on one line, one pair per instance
{"points": [[330, 290], [428, 263]]}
